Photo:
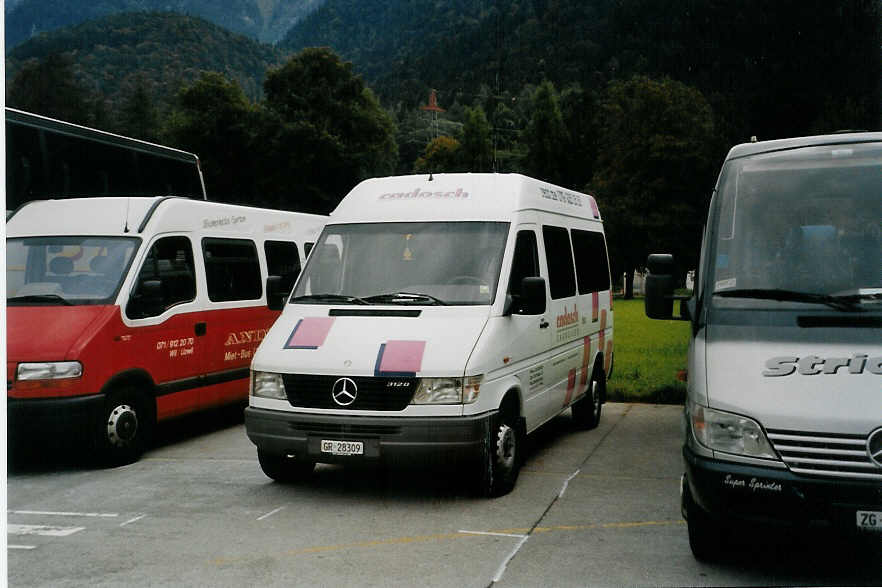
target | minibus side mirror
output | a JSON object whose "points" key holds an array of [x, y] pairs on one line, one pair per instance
{"points": [[147, 300], [275, 293], [530, 301], [659, 300]]}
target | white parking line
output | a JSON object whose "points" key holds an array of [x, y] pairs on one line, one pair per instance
{"points": [[491, 534], [514, 552], [44, 530], [270, 513], [55, 513], [567, 483], [21, 547], [130, 521]]}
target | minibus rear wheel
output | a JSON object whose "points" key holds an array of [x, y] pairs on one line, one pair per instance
{"points": [[284, 468], [586, 412], [123, 433]]}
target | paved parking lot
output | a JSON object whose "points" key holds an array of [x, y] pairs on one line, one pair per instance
{"points": [[596, 508]]}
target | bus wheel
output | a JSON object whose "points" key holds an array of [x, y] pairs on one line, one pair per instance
{"points": [[501, 457], [284, 468], [125, 428], [706, 539], [586, 412]]}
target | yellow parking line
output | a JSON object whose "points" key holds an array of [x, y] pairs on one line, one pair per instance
{"points": [[460, 535]]}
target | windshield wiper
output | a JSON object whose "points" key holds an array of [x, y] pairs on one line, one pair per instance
{"points": [[330, 298], [847, 302], [46, 298], [397, 297]]}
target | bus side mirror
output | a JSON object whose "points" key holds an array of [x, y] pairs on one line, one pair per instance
{"points": [[275, 293], [147, 301], [659, 300], [530, 301]]}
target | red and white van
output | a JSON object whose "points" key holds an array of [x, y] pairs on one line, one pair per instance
{"points": [[122, 312]]}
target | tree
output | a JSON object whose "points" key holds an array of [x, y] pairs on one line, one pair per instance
{"points": [[49, 87], [654, 172], [139, 117], [476, 151], [442, 154], [215, 120], [546, 136], [333, 131]]}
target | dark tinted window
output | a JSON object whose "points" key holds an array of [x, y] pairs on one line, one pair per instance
{"points": [[592, 269], [282, 259], [232, 270], [170, 262], [526, 261], [559, 255]]}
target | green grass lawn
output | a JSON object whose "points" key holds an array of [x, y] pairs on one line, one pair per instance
{"points": [[648, 355]]}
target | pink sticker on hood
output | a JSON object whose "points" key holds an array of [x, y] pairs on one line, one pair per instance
{"points": [[309, 333], [400, 358]]}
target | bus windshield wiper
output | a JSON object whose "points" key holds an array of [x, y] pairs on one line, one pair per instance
{"points": [[340, 298], [848, 302], [398, 297], [44, 298]]}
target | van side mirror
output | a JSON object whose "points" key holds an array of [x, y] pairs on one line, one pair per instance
{"points": [[530, 301], [659, 300], [147, 300], [276, 295]]}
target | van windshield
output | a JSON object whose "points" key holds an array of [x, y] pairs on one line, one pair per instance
{"points": [[405, 263], [66, 270], [799, 226]]}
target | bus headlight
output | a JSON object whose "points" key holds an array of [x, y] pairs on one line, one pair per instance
{"points": [[49, 370], [447, 390], [729, 433], [268, 385]]}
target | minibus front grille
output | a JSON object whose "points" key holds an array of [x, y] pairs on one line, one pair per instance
{"points": [[371, 393], [825, 454], [357, 431]]}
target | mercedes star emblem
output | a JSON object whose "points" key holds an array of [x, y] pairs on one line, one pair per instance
{"points": [[344, 391], [874, 447]]}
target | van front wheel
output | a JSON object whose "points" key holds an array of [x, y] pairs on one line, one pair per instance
{"points": [[123, 433], [501, 457], [284, 468]]}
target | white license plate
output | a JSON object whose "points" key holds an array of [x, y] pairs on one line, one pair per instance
{"points": [[342, 447], [869, 520]]}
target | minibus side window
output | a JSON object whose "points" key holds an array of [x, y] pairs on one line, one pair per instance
{"points": [[232, 269], [559, 256], [525, 263], [166, 278], [592, 269], [282, 259]]}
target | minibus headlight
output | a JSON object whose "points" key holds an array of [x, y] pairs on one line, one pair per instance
{"points": [[447, 390], [438, 391], [730, 433], [49, 370], [268, 385]]}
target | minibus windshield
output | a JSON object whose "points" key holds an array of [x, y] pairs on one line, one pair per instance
{"points": [[798, 227], [420, 263], [66, 270]]}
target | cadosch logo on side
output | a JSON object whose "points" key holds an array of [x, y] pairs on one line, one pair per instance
{"points": [[874, 447], [344, 391]]}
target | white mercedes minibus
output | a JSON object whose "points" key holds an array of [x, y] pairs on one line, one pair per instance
{"points": [[439, 319]]}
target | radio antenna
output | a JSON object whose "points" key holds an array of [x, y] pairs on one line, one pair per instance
{"points": [[128, 201]]}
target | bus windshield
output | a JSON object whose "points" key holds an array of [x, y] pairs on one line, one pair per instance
{"points": [[405, 263], [66, 270], [799, 226]]}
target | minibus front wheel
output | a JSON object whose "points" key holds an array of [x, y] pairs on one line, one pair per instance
{"points": [[501, 455], [284, 468], [123, 433]]}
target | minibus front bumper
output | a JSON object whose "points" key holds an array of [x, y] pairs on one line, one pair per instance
{"points": [[394, 440], [49, 419], [734, 492]]}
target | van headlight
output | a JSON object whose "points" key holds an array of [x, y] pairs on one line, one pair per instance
{"points": [[447, 390], [268, 385], [729, 433], [49, 370]]}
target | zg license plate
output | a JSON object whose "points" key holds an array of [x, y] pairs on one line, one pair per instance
{"points": [[342, 447], [869, 520]]}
